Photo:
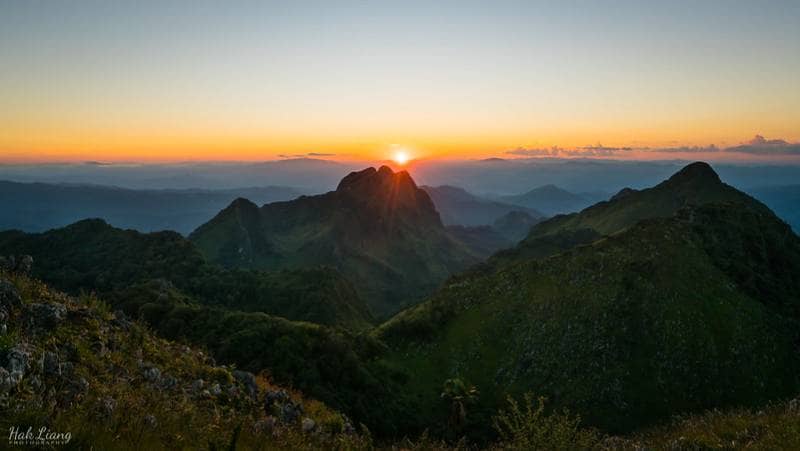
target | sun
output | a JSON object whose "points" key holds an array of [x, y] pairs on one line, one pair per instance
{"points": [[400, 157]]}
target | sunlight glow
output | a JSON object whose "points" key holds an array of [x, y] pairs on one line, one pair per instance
{"points": [[401, 157]]}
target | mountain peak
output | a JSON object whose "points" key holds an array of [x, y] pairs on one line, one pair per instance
{"points": [[697, 171], [371, 181]]}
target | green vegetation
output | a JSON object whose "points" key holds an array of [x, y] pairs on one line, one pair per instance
{"points": [[623, 314], [93, 256], [335, 366], [112, 385], [380, 230], [695, 184], [531, 427], [674, 314]]}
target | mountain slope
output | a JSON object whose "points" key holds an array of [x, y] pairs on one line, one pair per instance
{"points": [[689, 311], [91, 255], [549, 199], [695, 184], [459, 207], [380, 230], [96, 380], [514, 225]]}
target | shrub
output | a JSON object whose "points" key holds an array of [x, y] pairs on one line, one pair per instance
{"points": [[530, 427]]}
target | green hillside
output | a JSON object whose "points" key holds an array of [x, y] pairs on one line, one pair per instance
{"points": [[695, 184], [91, 255], [378, 228], [71, 366], [679, 313]]}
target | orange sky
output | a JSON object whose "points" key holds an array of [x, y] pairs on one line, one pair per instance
{"points": [[116, 82]]}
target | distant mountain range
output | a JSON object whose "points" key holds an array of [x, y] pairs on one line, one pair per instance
{"points": [[680, 297], [784, 200], [550, 200], [459, 207], [378, 228], [36, 207]]}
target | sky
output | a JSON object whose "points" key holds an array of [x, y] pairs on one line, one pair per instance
{"points": [[175, 81]]}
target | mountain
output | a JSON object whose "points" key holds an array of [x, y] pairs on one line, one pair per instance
{"points": [[482, 241], [549, 199], [70, 364], [92, 379], [378, 228], [695, 184], [514, 225], [458, 207], [682, 297], [36, 207], [91, 255]]}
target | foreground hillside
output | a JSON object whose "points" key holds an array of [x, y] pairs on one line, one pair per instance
{"points": [[71, 366], [378, 228], [678, 313]]}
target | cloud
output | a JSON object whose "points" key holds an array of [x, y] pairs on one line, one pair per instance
{"points": [[598, 150], [757, 146], [688, 149], [309, 154], [762, 146], [552, 152]]}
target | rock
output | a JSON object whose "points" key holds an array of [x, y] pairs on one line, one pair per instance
{"points": [[198, 385], [36, 383], [9, 297], [7, 382], [121, 320], [152, 374], [247, 379], [47, 316], [265, 425], [216, 390], [348, 427], [290, 412], [276, 397], [107, 407], [50, 365], [71, 352], [150, 421], [8, 263], [67, 368], [17, 360], [99, 348], [25, 264], [21, 264], [308, 424], [168, 382]]}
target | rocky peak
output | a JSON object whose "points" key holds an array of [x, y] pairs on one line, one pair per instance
{"points": [[388, 189], [370, 180], [697, 172]]}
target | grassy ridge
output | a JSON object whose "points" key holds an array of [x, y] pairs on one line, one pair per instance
{"points": [[626, 331]]}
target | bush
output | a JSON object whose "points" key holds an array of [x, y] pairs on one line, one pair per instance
{"points": [[529, 427]]}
